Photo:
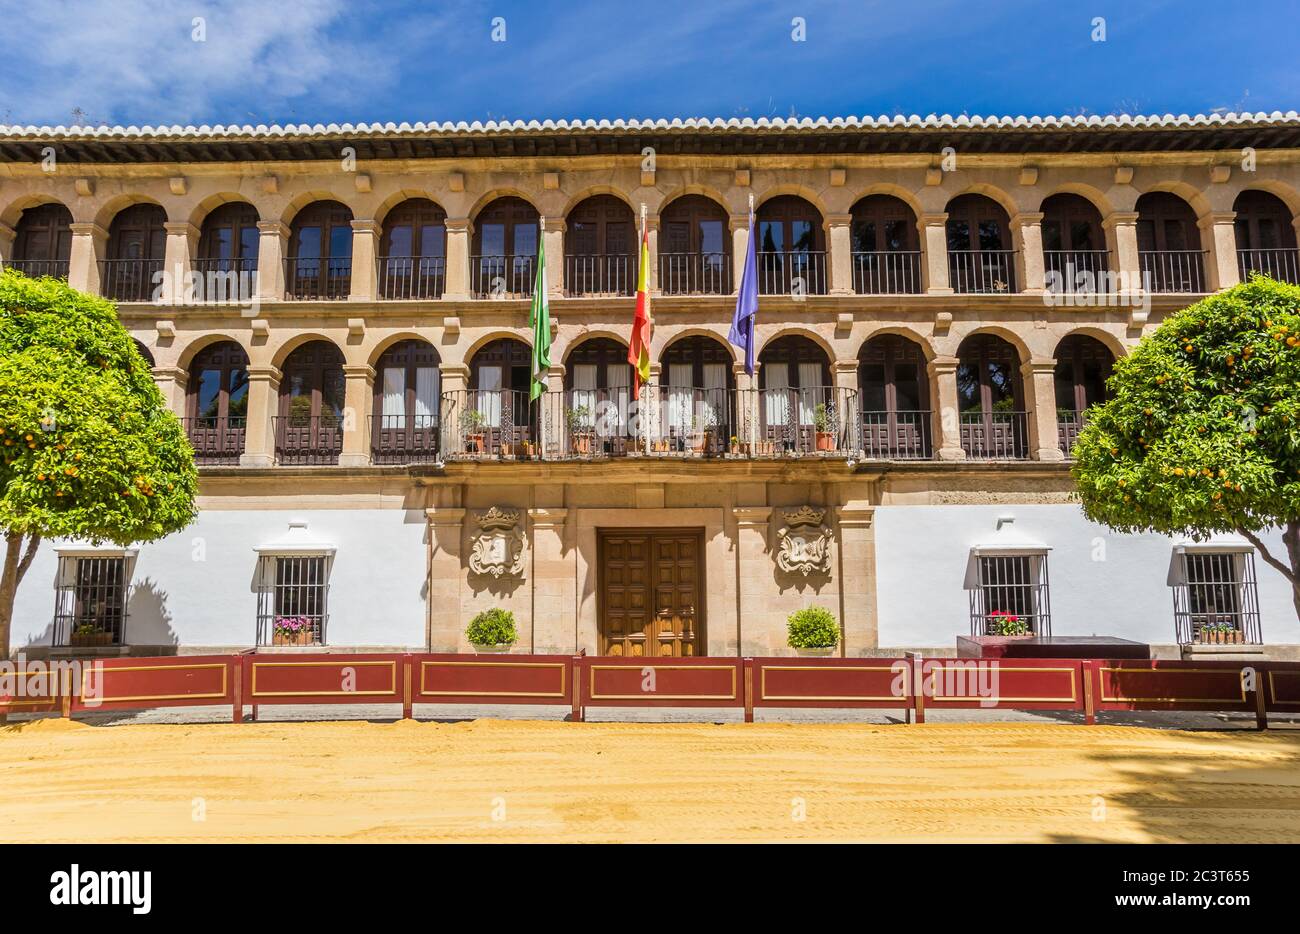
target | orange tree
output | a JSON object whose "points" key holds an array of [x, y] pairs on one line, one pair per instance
{"points": [[89, 450], [1202, 430]]}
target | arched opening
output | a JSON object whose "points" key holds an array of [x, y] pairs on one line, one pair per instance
{"points": [[1169, 244], [980, 257], [990, 399], [895, 399], [1083, 365], [43, 245], [798, 408], [144, 352], [319, 265], [598, 406], [600, 248], [503, 262], [695, 412], [413, 250], [791, 248], [495, 416], [1266, 237], [694, 248], [886, 248], [216, 403], [228, 247], [406, 404], [309, 427], [137, 244], [1075, 258]]}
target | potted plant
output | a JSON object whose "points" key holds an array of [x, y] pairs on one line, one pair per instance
{"points": [[822, 427], [579, 419], [735, 445], [492, 631], [292, 630], [813, 631], [87, 633], [1008, 624], [471, 426], [696, 437]]}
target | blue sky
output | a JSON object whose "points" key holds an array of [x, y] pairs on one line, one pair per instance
{"points": [[137, 61]]}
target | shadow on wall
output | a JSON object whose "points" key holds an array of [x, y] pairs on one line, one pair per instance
{"points": [[148, 621]]}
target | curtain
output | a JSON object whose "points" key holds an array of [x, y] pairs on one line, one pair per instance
{"points": [[489, 395], [714, 408], [680, 395], [811, 393], [394, 404], [426, 396], [618, 379], [584, 392], [776, 394]]}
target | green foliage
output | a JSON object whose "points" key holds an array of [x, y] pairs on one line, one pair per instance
{"points": [[90, 450], [1202, 433], [813, 628], [1008, 624], [492, 627]]}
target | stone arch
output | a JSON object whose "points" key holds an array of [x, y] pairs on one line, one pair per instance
{"points": [[119, 203], [203, 341], [391, 340], [795, 330], [12, 212], [384, 207], [905, 195], [292, 343], [1089, 193], [1100, 335], [907, 333], [199, 213], [659, 348]]}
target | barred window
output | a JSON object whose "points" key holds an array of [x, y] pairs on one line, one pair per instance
{"points": [[90, 600], [1216, 599], [292, 605], [1011, 596]]}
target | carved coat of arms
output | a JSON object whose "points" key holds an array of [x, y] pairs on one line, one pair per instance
{"points": [[498, 546], [805, 544]]}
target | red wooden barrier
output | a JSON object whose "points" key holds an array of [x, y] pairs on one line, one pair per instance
{"points": [[1002, 683], [32, 687], [1173, 684], [831, 682], [615, 681], [492, 679], [322, 678], [170, 681]]}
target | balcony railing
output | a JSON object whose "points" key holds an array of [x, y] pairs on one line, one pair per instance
{"points": [[695, 274], [402, 439], [982, 271], [405, 277], [1217, 600], [798, 421], [1076, 272], [889, 272], [1068, 426], [480, 424], [995, 435], [600, 274], [1173, 270], [308, 439], [1280, 264], [130, 280], [794, 272], [311, 278], [502, 276], [216, 440], [225, 280], [896, 435], [35, 268]]}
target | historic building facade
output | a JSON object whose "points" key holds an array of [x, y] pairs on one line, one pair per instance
{"points": [[340, 315]]}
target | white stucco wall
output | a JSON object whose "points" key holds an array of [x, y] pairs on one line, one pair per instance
{"points": [[922, 551], [197, 587]]}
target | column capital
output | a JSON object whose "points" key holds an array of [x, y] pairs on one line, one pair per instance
{"points": [[273, 227], [173, 373], [358, 371], [1211, 218], [860, 517], [180, 227], [88, 229], [942, 365], [838, 220], [932, 220], [544, 518], [752, 516], [367, 225], [1038, 366], [441, 515], [845, 366], [739, 221], [264, 372], [1027, 219], [1119, 219], [457, 224], [553, 225], [454, 369]]}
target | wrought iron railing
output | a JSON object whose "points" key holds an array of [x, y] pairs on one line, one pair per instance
{"points": [[1173, 270], [308, 439], [1216, 601], [887, 272], [91, 597], [896, 435], [489, 424], [982, 271], [793, 272], [1012, 596], [695, 274], [798, 421], [405, 277], [1076, 272], [600, 274], [130, 280], [311, 278], [1068, 426], [404, 439], [1280, 264], [223, 280], [995, 435], [35, 268], [502, 276], [216, 440]]}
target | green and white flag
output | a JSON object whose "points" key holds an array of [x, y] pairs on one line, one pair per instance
{"points": [[540, 320]]}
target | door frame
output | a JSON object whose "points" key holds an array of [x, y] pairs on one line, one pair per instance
{"points": [[701, 605]]}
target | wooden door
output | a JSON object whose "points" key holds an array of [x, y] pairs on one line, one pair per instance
{"points": [[650, 593]]}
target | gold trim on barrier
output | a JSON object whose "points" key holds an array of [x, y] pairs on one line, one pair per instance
{"points": [[1272, 688], [28, 703], [253, 692], [1001, 699], [105, 699], [560, 665], [1172, 700], [764, 669], [594, 696]]}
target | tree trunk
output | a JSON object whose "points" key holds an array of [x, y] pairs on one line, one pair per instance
{"points": [[1290, 568], [17, 561]]}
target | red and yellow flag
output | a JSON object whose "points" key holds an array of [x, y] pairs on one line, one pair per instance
{"points": [[638, 349]]}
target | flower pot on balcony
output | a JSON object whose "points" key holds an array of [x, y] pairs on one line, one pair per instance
{"points": [[302, 637], [695, 441], [825, 441], [91, 638], [491, 649], [474, 444], [815, 651], [582, 444]]}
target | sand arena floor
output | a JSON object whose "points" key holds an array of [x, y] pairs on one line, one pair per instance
{"points": [[494, 780]]}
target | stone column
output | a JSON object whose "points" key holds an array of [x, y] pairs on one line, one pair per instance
{"points": [[857, 572], [446, 570], [88, 247], [945, 426], [358, 404], [754, 570], [272, 243], [849, 405], [456, 286], [1039, 376], [554, 582], [553, 237], [182, 239], [7, 235], [652, 236], [365, 250], [840, 249], [739, 224], [934, 253], [263, 405], [1122, 243], [173, 383], [1219, 236], [453, 381], [1027, 238]]}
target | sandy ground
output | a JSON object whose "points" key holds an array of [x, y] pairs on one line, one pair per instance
{"points": [[495, 780]]}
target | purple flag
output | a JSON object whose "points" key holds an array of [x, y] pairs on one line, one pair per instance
{"points": [[742, 323]]}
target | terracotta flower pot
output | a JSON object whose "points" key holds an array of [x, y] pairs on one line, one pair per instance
{"points": [[825, 441]]}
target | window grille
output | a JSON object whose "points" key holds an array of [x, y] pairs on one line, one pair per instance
{"points": [[1010, 585], [90, 601], [1216, 599], [293, 592]]}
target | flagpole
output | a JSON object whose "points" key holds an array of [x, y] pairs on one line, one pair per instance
{"points": [[645, 421], [539, 278]]}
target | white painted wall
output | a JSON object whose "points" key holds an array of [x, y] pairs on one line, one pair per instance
{"points": [[377, 582], [921, 555]]}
